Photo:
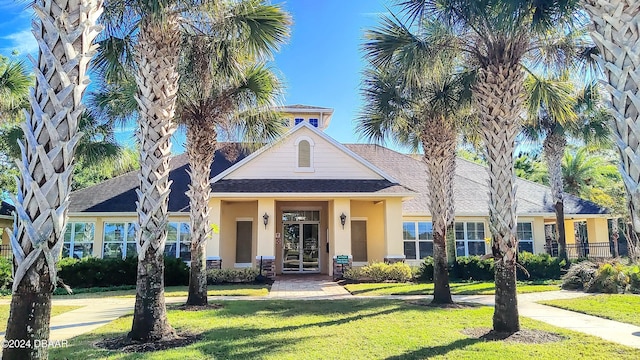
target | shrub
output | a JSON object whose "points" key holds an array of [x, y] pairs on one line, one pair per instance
{"points": [[472, 268], [426, 270], [380, 272], [6, 277], [96, 272], [219, 276], [610, 279], [540, 266], [634, 279], [176, 272], [579, 275]]}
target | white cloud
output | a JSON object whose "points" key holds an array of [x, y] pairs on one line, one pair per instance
{"points": [[22, 41]]}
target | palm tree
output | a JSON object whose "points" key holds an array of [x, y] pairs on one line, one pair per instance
{"points": [[557, 111], [259, 28], [224, 91], [415, 98], [65, 31], [614, 31], [14, 90], [496, 35]]}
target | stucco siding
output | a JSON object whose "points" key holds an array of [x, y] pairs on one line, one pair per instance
{"points": [[373, 213]]}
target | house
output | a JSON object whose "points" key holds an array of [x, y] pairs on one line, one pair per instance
{"points": [[297, 204]]}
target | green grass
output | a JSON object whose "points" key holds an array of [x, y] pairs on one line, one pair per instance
{"points": [[618, 307], [461, 288], [171, 291], [343, 329], [55, 310]]}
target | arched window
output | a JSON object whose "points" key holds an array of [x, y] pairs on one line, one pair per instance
{"points": [[304, 154], [304, 151]]}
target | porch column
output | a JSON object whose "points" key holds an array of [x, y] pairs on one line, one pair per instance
{"points": [[340, 235], [266, 244], [214, 261], [569, 232], [393, 230], [597, 230]]}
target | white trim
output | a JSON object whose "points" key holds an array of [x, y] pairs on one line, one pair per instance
{"points": [[527, 215], [359, 218], [286, 109], [360, 263], [244, 219], [265, 257], [242, 265], [214, 258], [305, 196], [320, 134], [402, 257]]}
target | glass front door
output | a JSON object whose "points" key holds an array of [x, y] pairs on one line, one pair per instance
{"points": [[300, 248]]}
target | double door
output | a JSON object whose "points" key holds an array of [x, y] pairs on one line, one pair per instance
{"points": [[301, 252]]}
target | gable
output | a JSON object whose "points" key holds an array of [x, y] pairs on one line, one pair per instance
{"points": [[325, 159]]}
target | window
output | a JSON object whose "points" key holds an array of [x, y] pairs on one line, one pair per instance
{"points": [[359, 240], [304, 152], [525, 237], [78, 240], [244, 235], [178, 243], [313, 122], [298, 121], [119, 240], [470, 238], [418, 239]]}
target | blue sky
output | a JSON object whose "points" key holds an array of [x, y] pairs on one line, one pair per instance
{"points": [[321, 65]]}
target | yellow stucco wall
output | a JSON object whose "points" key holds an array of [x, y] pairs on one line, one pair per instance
{"points": [[232, 212], [597, 230], [373, 213]]}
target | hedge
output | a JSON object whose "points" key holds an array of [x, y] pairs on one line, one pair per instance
{"points": [[538, 266], [95, 272]]}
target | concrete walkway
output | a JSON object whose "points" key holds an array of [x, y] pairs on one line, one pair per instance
{"points": [[98, 312]]}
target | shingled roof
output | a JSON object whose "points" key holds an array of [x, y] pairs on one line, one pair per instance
{"points": [[471, 189]]}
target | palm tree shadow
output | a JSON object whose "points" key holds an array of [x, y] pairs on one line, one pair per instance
{"points": [[428, 352]]}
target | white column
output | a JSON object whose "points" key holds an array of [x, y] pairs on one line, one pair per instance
{"points": [[393, 229], [266, 234], [341, 234], [213, 243]]}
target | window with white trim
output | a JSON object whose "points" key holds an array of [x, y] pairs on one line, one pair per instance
{"points": [[298, 120], [470, 238], [304, 154], [78, 240], [313, 122], [418, 239], [119, 240], [178, 243], [525, 237]]}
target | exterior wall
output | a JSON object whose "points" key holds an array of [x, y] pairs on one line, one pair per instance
{"points": [[4, 224], [569, 232], [538, 234], [280, 161], [373, 213], [232, 212], [394, 246], [340, 237]]}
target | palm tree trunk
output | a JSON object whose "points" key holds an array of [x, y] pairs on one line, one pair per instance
{"points": [[553, 147], [65, 33], [615, 33], [439, 144], [498, 94], [157, 79], [201, 147]]}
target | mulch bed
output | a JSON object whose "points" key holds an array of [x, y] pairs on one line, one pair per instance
{"points": [[186, 307], [524, 336], [455, 306], [126, 345]]}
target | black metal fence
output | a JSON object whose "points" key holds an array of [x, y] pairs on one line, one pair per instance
{"points": [[603, 250], [5, 251]]}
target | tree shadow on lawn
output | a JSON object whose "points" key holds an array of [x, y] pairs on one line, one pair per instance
{"points": [[429, 352]]}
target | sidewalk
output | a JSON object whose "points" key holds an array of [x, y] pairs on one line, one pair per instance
{"points": [[98, 312]]}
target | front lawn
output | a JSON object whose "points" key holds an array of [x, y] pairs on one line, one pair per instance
{"points": [[461, 288], [170, 291], [343, 329], [618, 307], [55, 310]]}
